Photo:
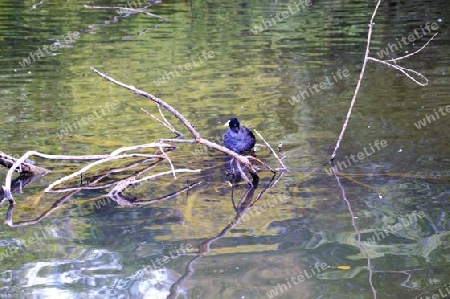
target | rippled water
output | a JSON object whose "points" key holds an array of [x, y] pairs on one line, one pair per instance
{"points": [[378, 230]]}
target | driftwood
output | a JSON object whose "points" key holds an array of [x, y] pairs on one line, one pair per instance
{"points": [[24, 168], [161, 149]]}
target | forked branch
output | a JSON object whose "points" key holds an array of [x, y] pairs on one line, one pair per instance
{"points": [[391, 63]]}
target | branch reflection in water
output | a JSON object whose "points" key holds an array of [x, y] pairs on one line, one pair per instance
{"points": [[244, 206]]}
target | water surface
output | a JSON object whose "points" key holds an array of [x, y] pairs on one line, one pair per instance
{"points": [[378, 230]]}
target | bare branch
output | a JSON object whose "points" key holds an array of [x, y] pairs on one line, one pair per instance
{"points": [[165, 124], [271, 149], [170, 161], [358, 85], [413, 53], [391, 63], [402, 70]]}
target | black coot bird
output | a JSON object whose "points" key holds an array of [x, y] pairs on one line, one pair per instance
{"points": [[238, 139]]}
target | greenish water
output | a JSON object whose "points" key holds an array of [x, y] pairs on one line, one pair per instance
{"points": [[300, 240]]}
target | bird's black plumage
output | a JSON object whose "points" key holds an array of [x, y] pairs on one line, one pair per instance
{"points": [[238, 139]]}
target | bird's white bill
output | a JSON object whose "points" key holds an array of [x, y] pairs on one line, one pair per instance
{"points": [[227, 123]]}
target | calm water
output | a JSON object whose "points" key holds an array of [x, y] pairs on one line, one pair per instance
{"points": [[379, 230]]}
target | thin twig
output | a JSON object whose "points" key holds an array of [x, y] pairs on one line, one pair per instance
{"points": [[151, 97], [262, 163], [243, 175], [168, 160], [178, 133], [168, 126], [272, 150], [406, 70], [163, 117], [403, 70], [413, 53]]}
